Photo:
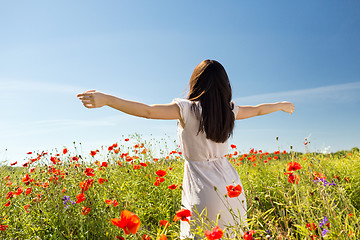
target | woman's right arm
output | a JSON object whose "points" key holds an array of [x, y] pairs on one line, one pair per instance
{"points": [[95, 99], [262, 109]]}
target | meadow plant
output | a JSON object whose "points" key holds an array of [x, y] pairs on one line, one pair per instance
{"points": [[124, 191]]}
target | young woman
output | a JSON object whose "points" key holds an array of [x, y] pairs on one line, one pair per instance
{"points": [[205, 123]]}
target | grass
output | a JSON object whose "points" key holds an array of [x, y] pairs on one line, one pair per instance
{"points": [[324, 193]]}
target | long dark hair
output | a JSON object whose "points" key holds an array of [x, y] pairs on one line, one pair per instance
{"points": [[209, 84]]}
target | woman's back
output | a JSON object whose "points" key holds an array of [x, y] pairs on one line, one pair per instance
{"points": [[195, 146]]}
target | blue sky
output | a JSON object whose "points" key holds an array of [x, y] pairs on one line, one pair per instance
{"points": [[307, 52]]}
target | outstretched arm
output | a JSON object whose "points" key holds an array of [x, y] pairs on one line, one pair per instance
{"points": [[262, 109], [95, 99]]}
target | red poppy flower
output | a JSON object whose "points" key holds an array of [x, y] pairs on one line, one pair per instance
{"points": [[26, 207], [248, 235], [14, 163], [172, 187], [102, 180], [80, 198], [10, 194], [145, 237], [164, 223], [65, 150], [215, 233], [28, 191], [293, 178], [26, 179], [7, 204], [161, 173], [120, 238], [54, 160], [182, 215], [85, 210], [86, 184], [157, 182], [311, 226], [126, 139], [92, 153], [143, 164], [233, 191], [3, 227], [163, 237], [115, 203], [104, 164], [160, 179], [293, 166], [129, 222], [19, 191], [89, 172], [233, 146]]}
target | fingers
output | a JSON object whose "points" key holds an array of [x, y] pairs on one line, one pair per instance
{"points": [[86, 97], [87, 93], [89, 105], [87, 102], [292, 109]]}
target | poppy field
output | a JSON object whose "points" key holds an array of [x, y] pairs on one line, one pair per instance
{"points": [[127, 190]]}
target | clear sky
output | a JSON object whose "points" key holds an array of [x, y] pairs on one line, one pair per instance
{"points": [[307, 52]]}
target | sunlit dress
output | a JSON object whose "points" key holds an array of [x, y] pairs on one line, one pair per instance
{"points": [[206, 167]]}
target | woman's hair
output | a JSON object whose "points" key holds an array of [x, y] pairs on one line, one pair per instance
{"points": [[209, 84]]}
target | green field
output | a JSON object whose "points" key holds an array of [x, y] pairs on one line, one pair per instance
{"points": [[38, 200]]}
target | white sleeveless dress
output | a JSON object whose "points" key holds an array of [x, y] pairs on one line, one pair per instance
{"points": [[205, 168]]}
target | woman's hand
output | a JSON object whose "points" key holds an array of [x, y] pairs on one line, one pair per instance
{"points": [[93, 99], [287, 107]]}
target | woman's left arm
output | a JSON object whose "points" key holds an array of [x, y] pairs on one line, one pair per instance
{"points": [[263, 109], [95, 99]]}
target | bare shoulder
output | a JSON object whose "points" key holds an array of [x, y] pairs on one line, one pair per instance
{"points": [[165, 111]]}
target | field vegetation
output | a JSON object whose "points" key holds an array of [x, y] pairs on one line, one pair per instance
{"points": [[124, 191]]}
